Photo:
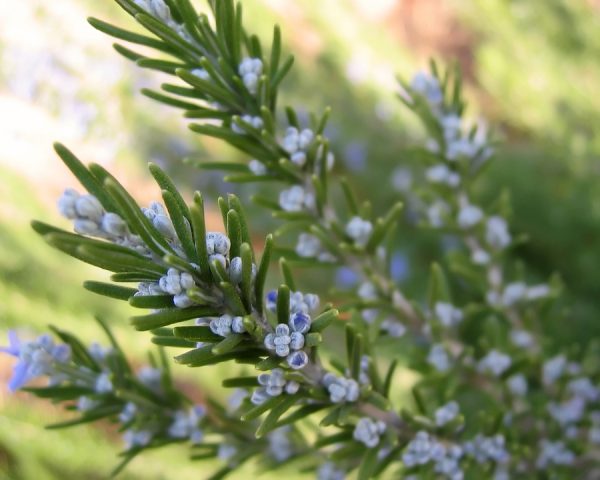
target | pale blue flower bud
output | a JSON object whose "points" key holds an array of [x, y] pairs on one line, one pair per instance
{"points": [[150, 377], [292, 387], [293, 199], [495, 363], [269, 341], [114, 225], [447, 314], [66, 203], [298, 158], [257, 168], [553, 453], [137, 438], [235, 270], [217, 257], [497, 234], [85, 404], [438, 358], [186, 280], [164, 225], [359, 230], [88, 206], [446, 413], [308, 245], [128, 412], [182, 301], [250, 70], [368, 431], [469, 216], [237, 325], [328, 471], [84, 226], [282, 349], [517, 384], [312, 301], [296, 341], [201, 73], [282, 329], [103, 383]]}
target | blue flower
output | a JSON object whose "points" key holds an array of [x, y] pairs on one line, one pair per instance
{"points": [[300, 322], [297, 359], [20, 370], [345, 277], [35, 358], [272, 301], [399, 266]]}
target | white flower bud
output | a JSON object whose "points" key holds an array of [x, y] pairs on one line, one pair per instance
{"points": [[438, 358], [217, 257], [114, 225], [495, 363], [292, 387], [292, 200], [66, 203], [237, 325], [446, 413], [359, 230], [221, 243], [182, 301], [201, 73], [469, 216], [447, 314], [368, 431], [308, 245], [257, 168], [88, 206], [517, 384], [164, 225], [497, 234], [186, 280], [235, 270], [103, 383], [298, 158], [86, 227], [514, 293]]}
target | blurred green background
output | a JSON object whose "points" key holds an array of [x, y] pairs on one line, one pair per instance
{"points": [[532, 68]]}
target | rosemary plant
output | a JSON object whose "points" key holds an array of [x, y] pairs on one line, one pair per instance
{"points": [[493, 399]]}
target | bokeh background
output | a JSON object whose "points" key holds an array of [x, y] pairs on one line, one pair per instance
{"points": [[532, 69]]}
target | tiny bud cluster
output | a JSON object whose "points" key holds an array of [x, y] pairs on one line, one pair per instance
{"points": [[368, 431], [250, 70], [272, 385], [341, 389]]}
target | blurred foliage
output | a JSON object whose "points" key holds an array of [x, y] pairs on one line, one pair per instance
{"points": [[532, 70]]}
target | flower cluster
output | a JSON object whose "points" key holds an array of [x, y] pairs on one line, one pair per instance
{"points": [[272, 385], [454, 143], [90, 218], [226, 325], [296, 199], [37, 358], [250, 70], [341, 389], [424, 449], [296, 143], [288, 340], [368, 431], [359, 230], [309, 246]]}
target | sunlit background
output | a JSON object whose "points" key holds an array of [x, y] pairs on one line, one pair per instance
{"points": [[532, 69]]}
